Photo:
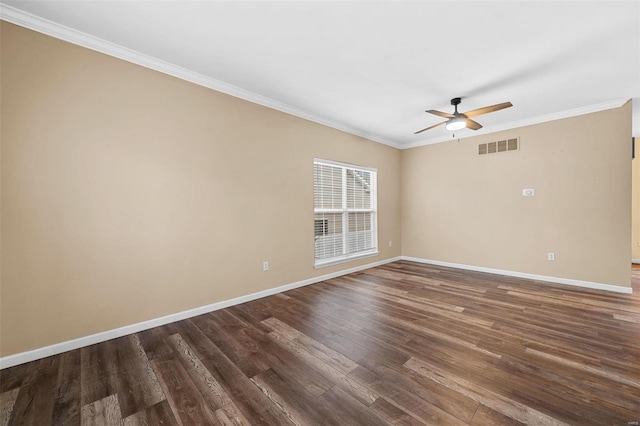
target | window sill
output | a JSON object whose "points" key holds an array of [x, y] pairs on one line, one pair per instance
{"points": [[338, 260]]}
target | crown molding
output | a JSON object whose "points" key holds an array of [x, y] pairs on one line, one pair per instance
{"points": [[53, 29], [617, 103]]}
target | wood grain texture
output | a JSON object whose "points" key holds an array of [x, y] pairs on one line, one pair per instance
{"points": [[158, 414], [208, 385], [66, 407], [485, 416], [104, 412], [7, 400], [35, 400], [186, 402], [136, 381], [401, 344], [11, 378]]}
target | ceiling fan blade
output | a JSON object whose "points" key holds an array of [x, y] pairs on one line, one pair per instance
{"points": [[473, 125], [430, 127], [488, 109], [440, 113]]}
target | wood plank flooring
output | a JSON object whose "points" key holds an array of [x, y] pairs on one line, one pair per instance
{"points": [[401, 344]]}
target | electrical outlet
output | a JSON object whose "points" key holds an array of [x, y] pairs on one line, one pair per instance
{"points": [[265, 266], [551, 256], [390, 243]]}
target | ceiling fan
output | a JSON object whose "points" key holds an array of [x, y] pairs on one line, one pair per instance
{"points": [[457, 120]]}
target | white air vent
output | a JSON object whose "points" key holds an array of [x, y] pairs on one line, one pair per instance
{"points": [[499, 146]]}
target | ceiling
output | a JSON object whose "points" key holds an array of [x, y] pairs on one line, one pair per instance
{"points": [[373, 68]]}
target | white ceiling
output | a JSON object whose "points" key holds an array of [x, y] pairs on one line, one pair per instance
{"points": [[373, 68]]}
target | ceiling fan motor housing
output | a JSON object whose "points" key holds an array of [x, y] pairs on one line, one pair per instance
{"points": [[455, 102]]}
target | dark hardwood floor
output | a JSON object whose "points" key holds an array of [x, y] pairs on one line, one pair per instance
{"points": [[399, 344]]}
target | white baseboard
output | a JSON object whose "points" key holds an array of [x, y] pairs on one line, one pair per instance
{"points": [[58, 348], [635, 260], [567, 281]]}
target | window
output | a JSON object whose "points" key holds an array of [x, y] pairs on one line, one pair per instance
{"points": [[321, 227], [345, 212]]}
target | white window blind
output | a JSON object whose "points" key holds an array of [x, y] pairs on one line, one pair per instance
{"points": [[345, 212]]}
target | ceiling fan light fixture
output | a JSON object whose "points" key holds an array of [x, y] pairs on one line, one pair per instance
{"points": [[456, 123]]}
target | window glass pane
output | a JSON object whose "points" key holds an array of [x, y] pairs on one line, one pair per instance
{"points": [[327, 187], [358, 189], [359, 236], [330, 243], [321, 227]]}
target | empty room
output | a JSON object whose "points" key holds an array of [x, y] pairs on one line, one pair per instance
{"points": [[319, 213]]}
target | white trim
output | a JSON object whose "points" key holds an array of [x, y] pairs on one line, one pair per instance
{"points": [[322, 161], [344, 211], [58, 348], [635, 261], [557, 280], [617, 103], [56, 30], [53, 29], [348, 258]]}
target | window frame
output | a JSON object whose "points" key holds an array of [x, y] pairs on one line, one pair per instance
{"points": [[347, 256]]}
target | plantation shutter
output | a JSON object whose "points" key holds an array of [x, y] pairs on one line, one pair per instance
{"points": [[345, 220]]}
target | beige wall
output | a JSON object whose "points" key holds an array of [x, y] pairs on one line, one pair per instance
{"points": [[128, 194], [635, 210], [463, 208]]}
